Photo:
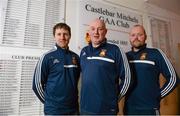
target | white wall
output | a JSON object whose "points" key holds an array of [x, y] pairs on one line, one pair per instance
{"points": [[140, 6]]}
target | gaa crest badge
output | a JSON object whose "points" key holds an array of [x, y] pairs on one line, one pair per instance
{"points": [[143, 56], [74, 60], [103, 53]]}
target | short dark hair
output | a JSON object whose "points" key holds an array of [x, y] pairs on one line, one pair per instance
{"points": [[60, 26]]}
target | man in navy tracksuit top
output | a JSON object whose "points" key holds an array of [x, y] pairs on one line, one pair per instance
{"points": [[56, 75], [146, 65], [102, 65]]}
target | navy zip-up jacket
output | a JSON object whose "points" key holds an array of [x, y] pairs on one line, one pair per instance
{"points": [[102, 68], [146, 66], [55, 81]]}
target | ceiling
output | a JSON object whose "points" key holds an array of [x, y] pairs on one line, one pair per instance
{"points": [[171, 5]]}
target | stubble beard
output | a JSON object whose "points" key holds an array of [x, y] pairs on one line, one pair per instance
{"points": [[137, 44]]}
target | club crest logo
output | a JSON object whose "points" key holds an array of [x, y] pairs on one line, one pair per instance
{"points": [[74, 60], [143, 56], [103, 53]]}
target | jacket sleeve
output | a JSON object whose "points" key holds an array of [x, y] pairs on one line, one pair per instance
{"points": [[124, 73], [40, 78], [168, 72]]}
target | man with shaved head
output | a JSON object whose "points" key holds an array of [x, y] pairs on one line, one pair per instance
{"points": [[146, 64], [105, 73]]}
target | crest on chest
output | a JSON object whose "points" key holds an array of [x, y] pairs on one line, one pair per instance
{"points": [[143, 56], [102, 52], [74, 60]]}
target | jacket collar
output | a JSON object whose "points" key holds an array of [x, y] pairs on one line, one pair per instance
{"points": [[140, 48], [61, 49], [100, 46]]}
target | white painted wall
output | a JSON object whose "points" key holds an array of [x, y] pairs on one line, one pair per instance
{"points": [[139, 6]]}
